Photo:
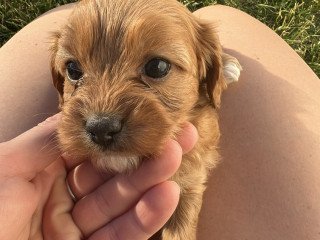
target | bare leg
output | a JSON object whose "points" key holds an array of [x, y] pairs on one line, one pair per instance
{"points": [[26, 92], [268, 184]]}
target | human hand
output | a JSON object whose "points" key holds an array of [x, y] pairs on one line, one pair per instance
{"points": [[26, 180], [117, 207]]}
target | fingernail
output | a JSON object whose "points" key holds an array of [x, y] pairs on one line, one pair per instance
{"points": [[53, 118]]}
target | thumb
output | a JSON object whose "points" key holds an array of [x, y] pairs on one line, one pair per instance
{"points": [[32, 151]]}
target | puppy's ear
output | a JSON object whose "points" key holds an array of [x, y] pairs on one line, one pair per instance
{"points": [[210, 64], [57, 78]]}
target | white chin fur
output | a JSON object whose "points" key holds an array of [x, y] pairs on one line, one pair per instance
{"points": [[117, 164]]}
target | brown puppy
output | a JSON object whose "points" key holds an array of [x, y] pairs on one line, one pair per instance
{"points": [[129, 74]]}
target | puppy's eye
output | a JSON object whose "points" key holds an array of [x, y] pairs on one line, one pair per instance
{"points": [[74, 71], [157, 68]]}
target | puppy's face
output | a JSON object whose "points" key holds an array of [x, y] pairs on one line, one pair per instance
{"points": [[129, 73]]}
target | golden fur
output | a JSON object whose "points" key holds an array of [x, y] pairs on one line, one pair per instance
{"points": [[112, 40]]}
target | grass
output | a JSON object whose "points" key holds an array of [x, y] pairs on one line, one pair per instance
{"points": [[297, 22]]}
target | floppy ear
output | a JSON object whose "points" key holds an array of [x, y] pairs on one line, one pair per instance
{"points": [[57, 78], [210, 64]]}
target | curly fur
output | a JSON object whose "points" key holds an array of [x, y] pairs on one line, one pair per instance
{"points": [[112, 40]]}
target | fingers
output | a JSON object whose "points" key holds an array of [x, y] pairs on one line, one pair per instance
{"points": [[187, 137], [120, 193], [57, 220], [32, 151], [146, 218], [84, 178]]}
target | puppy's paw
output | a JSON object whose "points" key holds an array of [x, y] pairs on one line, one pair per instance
{"points": [[231, 68]]}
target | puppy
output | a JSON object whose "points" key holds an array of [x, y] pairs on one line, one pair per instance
{"points": [[129, 74]]}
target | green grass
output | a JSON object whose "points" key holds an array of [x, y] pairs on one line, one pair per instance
{"points": [[297, 22]]}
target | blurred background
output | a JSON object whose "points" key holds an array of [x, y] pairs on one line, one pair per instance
{"points": [[297, 22]]}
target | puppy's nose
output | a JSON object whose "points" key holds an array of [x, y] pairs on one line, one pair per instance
{"points": [[102, 129]]}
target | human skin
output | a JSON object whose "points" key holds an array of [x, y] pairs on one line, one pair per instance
{"points": [[267, 185], [34, 200], [35, 203]]}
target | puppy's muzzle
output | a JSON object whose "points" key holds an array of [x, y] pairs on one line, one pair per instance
{"points": [[103, 129]]}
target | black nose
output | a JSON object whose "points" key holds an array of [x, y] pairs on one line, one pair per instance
{"points": [[102, 129]]}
